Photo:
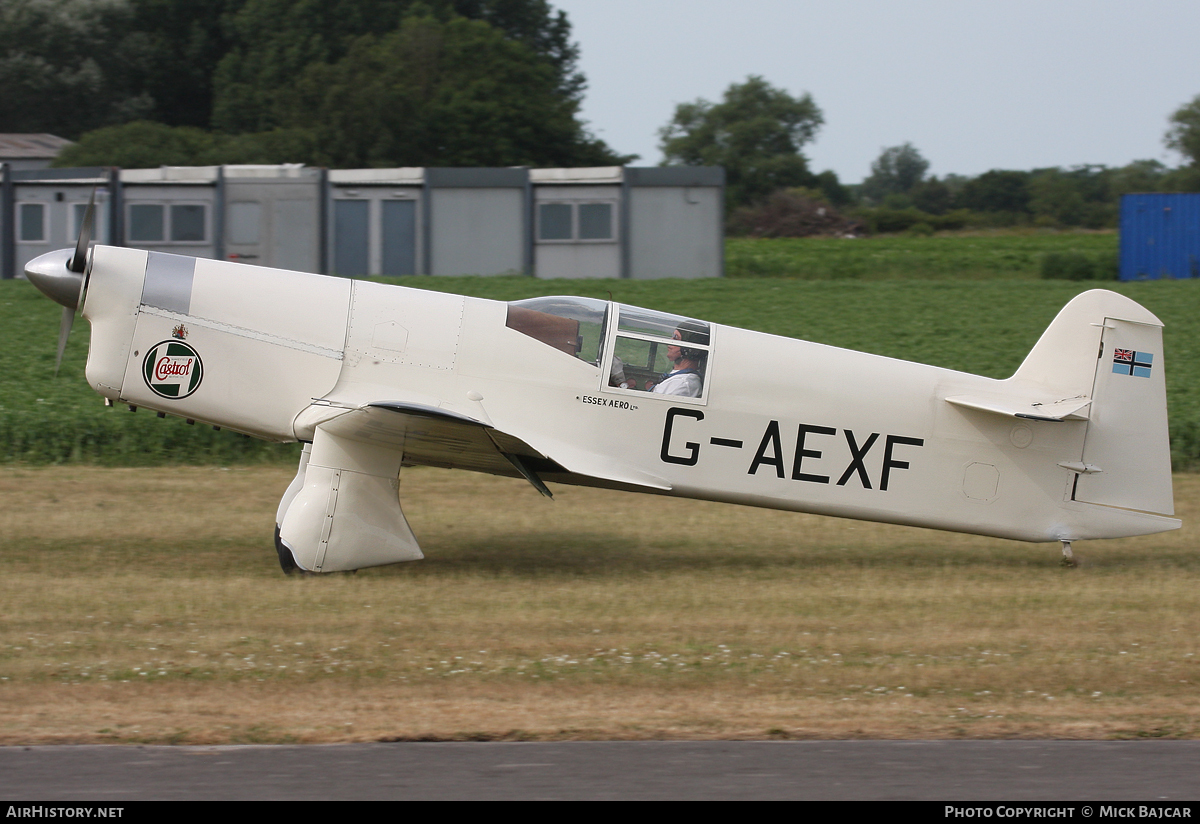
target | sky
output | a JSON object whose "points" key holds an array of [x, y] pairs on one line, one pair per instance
{"points": [[972, 84]]}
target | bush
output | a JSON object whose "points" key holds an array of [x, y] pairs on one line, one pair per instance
{"points": [[884, 220], [956, 219], [795, 212], [1100, 216], [887, 220], [1078, 266]]}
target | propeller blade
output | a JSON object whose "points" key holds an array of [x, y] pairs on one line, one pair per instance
{"points": [[77, 264], [64, 332], [79, 261]]}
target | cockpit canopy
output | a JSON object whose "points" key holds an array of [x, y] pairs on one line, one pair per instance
{"points": [[574, 326], [660, 352], [647, 349]]}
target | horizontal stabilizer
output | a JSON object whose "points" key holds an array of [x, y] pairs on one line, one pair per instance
{"points": [[1066, 409]]}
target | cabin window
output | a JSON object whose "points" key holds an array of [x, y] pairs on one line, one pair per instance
{"points": [[595, 221], [573, 326], [146, 223], [555, 221], [576, 222], [33, 222], [155, 223], [660, 353], [187, 223]]}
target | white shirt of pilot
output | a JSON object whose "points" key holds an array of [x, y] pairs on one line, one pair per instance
{"points": [[687, 385]]}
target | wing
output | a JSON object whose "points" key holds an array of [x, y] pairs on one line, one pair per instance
{"points": [[433, 436]]}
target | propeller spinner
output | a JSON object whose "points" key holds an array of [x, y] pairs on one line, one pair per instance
{"points": [[60, 276]]}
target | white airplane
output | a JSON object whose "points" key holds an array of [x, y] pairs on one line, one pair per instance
{"points": [[372, 378]]}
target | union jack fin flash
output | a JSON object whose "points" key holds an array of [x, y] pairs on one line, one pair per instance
{"points": [[1129, 362]]}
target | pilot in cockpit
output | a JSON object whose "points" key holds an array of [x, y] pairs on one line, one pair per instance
{"points": [[685, 379]]}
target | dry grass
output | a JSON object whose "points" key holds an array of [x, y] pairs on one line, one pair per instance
{"points": [[146, 605]]}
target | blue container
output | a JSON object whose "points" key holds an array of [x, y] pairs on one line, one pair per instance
{"points": [[1160, 236]]}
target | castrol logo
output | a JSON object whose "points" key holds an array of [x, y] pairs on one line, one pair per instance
{"points": [[172, 369]]}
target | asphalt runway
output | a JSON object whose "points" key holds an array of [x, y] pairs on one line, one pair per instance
{"points": [[1143, 771]]}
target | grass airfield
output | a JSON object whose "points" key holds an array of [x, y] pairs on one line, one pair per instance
{"points": [[146, 606]]}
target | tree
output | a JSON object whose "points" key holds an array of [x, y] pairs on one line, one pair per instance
{"points": [[1081, 196], [70, 66], [997, 191], [430, 93], [144, 144], [139, 145], [1184, 133], [755, 132], [1138, 176], [538, 27], [272, 43], [895, 172], [453, 92], [833, 190], [252, 69], [932, 195], [65, 66], [398, 82], [180, 44], [1055, 197], [328, 82], [1184, 137]]}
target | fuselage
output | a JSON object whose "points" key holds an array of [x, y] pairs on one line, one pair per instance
{"points": [[780, 423]]}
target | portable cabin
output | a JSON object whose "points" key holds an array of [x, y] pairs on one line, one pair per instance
{"points": [[1160, 236]]}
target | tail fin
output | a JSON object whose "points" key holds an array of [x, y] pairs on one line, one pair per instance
{"points": [[1108, 348]]}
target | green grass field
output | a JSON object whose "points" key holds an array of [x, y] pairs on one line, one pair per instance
{"points": [[984, 255], [983, 321]]}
